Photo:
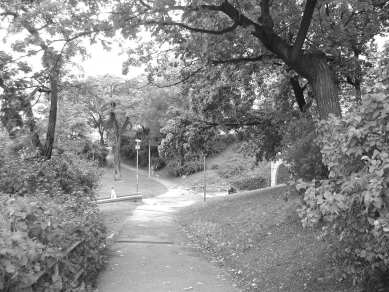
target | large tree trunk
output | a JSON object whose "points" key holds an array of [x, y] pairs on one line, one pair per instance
{"points": [[48, 148], [118, 133], [116, 159], [315, 68], [31, 121], [324, 91], [101, 133]]}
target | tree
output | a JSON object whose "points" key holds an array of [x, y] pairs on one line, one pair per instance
{"points": [[55, 22], [320, 41], [118, 134], [91, 95], [123, 110]]}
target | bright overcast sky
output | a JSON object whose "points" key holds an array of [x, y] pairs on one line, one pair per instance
{"points": [[103, 62]]}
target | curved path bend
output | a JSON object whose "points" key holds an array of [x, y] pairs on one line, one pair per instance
{"points": [[153, 254]]}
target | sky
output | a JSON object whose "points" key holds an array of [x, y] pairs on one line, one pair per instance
{"points": [[103, 62]]}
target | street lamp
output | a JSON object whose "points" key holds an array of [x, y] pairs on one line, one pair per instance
{"points": [[137, 147]]}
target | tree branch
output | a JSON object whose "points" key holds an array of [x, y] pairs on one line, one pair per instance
{"points": [[303, 30], [124, 126], [238, 60], [176, 83], [298, 93], [216, 32]]}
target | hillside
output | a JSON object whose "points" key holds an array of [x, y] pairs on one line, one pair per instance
{"points": [[258, 238], [223, 169]]}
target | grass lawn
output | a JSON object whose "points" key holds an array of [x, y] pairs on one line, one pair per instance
{"points": [[147, 187], [260, 241]]}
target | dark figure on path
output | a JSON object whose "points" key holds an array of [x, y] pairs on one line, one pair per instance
{"points": [[231, 190]]}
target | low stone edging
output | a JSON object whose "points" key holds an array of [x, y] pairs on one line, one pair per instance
{"points": [[137, 197]]}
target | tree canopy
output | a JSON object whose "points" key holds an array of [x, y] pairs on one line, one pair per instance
{"points": [[236, 42]]}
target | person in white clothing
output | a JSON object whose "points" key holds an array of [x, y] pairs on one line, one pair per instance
{"points": [[113, 194]]}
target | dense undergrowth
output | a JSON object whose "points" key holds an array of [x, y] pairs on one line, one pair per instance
{"points": [[46, 207]]}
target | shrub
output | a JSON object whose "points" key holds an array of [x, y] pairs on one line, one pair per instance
{"points": [[249, 183], [190, 167], [34, 235], [353, 201], [240, 135], [300, 151], [158, 163], [228, 170], [215, 166], [52, 206], [96, 152], [59, 176]]}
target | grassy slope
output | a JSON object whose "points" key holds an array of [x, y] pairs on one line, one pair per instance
{"points": [[259, 239], [147, 187], [230, 160]]}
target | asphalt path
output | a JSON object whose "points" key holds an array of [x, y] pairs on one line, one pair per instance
{"points": [[153, 253]]}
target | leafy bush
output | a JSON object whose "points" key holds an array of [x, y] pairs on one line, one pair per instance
{"points": [[215, 166], [228, 170], [249, 183], [128, 148], [96, 152], [353, 201], [52, 206], [300, 151], [35, 234], [158, 163], [61, 175], [190, 167]]}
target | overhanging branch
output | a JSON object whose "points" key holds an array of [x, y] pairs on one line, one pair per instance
{"points": [[238, 60], [304, 26], [201, 30]]}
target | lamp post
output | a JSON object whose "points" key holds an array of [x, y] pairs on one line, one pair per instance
{"points": [[137, 147], [149, 160], [205, 181]]}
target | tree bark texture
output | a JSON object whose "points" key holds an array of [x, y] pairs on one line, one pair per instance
{"points": [[54, 78], [324, 91], [118, 133], [101, 132]]}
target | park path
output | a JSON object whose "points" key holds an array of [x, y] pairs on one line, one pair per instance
{"points": [[153, 254]]}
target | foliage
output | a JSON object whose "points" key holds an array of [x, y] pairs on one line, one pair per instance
{"points": [[186, 139], [58, 177], [52, 206], [96, 152], [299, 150], [192, 166], [158, 163], [250, 183], [353, 200], [35, 235], [228, 170]]}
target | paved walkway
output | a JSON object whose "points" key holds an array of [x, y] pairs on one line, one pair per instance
{"points": [[153, 254]]}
